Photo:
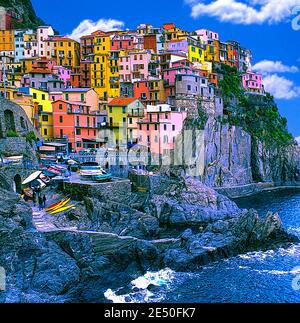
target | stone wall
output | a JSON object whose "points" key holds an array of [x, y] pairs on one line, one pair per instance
{"points": [[13, 118]]}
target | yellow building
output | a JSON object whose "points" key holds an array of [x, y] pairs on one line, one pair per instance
{"points": [[26, 65], [7, 41], [65, 51], [105, 76], [123, 115], [174, 33], [45, 112]]}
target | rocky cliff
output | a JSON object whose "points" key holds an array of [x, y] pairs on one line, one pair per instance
{"points": [[234, 157], [25, 9], [182, 227]]}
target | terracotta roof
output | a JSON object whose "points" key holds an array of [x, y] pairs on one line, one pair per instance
{"points": [[122, 101]]}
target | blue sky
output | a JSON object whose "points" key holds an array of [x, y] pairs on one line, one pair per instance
{"points": [[264, 26]]}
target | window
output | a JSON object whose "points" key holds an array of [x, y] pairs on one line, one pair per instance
{"points": [[155, 127], [124, 120], [110, 110], [61, 120], [45, 118], [67, 97], [34, 95], [155, 139], [165, 127], [60, 106], [78, 132], [82, 97], [61, 133], [123, 109], [189, 88], [78, 144], [130, 120], [173, 127], [45, 132], [166, 139], [43, 97]]}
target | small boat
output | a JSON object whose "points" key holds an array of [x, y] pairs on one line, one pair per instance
{"points": [[102, 178], [49, 173], [54, 170], [59, 205], [55, 204], [63, 209], [32, 177]]}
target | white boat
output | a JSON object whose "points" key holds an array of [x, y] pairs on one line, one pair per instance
{"points": [[32, 177]]}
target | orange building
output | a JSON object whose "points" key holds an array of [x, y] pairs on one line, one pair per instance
{"points": [[76, 123], [7, 41]]}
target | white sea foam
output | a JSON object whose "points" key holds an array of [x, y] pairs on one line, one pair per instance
{"points": [[143, 295], [278, 272]]}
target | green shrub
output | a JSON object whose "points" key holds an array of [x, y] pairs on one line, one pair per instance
{"points": [[31, 137], [11, 133]]}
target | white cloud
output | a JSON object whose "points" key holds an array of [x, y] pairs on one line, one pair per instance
{"points": [[87, 27], [281, 87], [267, 66], [244, 12], [298, 140]]}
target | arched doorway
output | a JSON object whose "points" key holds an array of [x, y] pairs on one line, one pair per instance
{"points": [[17, 185]]}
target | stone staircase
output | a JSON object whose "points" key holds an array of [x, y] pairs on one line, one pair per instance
{"points": [[41, 223]]}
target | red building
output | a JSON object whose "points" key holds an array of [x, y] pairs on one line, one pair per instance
{"points": [[85, 73], [74, 121], [75, 79], [150, 42], [122, 42], [141, 91]]}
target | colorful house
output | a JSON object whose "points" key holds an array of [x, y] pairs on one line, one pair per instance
{"points": [[7, 42], [64, 50], [252, 82], [135, 65], [105, 77], [85, 96], [75, 123], [123, 115], [45, 112], [159, 129]]}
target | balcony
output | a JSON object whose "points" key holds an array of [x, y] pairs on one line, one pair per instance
{"points": [[60, 55]]}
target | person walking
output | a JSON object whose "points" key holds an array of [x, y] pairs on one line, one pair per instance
{"points": [[40, 203], [44, 201]]}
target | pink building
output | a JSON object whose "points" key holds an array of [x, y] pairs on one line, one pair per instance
{"points": [[135, 66], [55, 96], [207, 35], [159, 128], [252, 82], [180, 67], [63, 73], [85, 96]]}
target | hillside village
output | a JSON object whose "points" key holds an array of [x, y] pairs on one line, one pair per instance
{"points": [[135, 86]]}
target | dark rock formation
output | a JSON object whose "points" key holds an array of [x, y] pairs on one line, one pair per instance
{"points": [[80, 265]]}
